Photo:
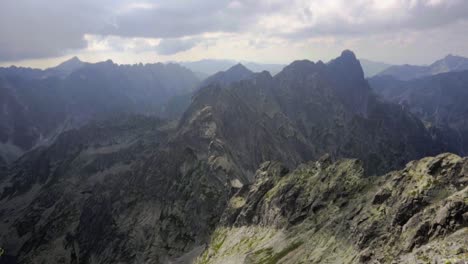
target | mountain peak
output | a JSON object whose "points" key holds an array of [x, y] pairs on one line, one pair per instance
{"points": [[240, 68], [348, 54], [351, 85], [236, 73], [68, 66], [72, 61]]}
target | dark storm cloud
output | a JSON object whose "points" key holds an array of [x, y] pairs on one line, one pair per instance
{"points": [[36, 29]]}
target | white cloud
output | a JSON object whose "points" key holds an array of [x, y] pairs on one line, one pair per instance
{"points": [[258, 28]]}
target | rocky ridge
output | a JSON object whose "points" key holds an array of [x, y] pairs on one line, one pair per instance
{"points": [[330, 212]]}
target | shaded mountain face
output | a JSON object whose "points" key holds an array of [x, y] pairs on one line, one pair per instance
{"points": [[330, 212], [313, 108], [34, 111], [177, 105], [65, 68], [142, 190], [236, 73], [407, 72], [440, 101]]}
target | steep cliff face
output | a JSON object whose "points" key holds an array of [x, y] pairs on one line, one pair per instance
{"points": [[330, 212]]}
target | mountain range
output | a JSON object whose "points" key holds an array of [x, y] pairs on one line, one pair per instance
{"points": [[37, 105], [439, 100], [450, 63], [231, 179]]}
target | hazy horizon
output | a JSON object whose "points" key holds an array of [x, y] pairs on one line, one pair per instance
{"points": [[45, 64]]}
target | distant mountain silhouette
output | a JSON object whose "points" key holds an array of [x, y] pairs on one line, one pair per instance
{"points": [[236, 73], [407, 72], [209, 67], [439, 100], [39, 104]]}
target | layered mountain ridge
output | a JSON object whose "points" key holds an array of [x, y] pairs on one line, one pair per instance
{"points": [[449, 63], [439, 100], [35, 111], [138, 189]]}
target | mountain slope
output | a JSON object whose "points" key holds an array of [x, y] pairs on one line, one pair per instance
{"points": [[143, 190], [407, 72], [325, 212], [110, 192], [176, 106], [440, 101]]}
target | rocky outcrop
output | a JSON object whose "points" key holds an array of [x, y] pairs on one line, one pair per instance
{"points": [[330, 212]]}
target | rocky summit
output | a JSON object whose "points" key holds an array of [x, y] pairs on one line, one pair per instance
{"points": [[306, 166]]}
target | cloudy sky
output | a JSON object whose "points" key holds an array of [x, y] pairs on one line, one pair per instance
{"points": [[43, 33]]}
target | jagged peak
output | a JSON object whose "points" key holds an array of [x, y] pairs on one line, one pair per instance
{"points": [[239, 67], [75, 58], [347, 62], [72, 61]]}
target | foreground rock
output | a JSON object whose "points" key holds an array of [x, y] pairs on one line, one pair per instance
{"points": [[324, 212]]}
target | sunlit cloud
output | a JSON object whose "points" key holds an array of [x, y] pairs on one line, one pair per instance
{"points": [[265, 30]]}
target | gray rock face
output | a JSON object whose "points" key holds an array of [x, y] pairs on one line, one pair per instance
{"points": [[326, 212], [111, 192]]}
